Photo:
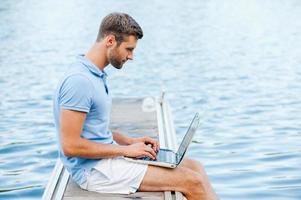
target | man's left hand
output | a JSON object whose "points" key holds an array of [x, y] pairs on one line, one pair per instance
{"points": [[148, 140]]}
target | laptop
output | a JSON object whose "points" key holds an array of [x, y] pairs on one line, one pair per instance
{"points": [[168, 158]]}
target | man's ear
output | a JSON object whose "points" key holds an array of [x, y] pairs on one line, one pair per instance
{"points": [[110, 40]]}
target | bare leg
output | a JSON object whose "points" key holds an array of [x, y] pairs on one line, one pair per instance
{"points": [[194, 185], [193, 165], [198, 167]]}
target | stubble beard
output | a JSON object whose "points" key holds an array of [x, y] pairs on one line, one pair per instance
{"points": [[114, 59]]}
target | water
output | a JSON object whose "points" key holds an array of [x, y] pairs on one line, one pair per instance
{"points": [[237, 62]]}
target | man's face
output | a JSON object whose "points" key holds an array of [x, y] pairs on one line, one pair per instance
{"points": [[118, 55]]}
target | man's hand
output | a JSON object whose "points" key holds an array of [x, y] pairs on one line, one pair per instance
{"points": [[137, 147], [138, 150], [148, 141]]}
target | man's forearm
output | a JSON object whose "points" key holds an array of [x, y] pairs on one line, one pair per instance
{"points": [[122, 139], [88, 149]]}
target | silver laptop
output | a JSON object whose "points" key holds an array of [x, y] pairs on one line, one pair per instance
{"points": [[168, 158]]}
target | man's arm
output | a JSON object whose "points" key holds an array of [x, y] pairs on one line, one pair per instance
{"points": [[125, 140], [74, 145], [122, 139]]}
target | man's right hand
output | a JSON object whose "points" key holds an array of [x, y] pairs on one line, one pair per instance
{"points": [[139, 150]]}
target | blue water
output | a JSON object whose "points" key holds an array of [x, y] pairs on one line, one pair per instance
{"points": [[237, 62]]}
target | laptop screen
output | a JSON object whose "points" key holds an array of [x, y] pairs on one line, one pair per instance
{"points": [[188, 136]]}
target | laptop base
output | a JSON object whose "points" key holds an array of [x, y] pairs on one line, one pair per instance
{"points": [[150, 162]]}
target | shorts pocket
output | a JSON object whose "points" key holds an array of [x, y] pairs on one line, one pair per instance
{"points": [[96, 179]]}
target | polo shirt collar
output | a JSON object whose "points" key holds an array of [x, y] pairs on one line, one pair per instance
{"points": [[91, 66]]}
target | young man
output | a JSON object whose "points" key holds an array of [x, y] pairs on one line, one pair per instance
{"points": [[89, 150]]}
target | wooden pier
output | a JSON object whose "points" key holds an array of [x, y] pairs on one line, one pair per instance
{"points": [[136, 117]]}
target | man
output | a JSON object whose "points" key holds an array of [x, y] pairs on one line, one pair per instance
{"points": [[89, 150]]}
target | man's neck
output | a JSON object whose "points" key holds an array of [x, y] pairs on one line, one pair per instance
{"points": [[97, 55]]}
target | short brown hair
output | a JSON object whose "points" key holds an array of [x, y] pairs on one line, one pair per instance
{"points": [[120, 25]]}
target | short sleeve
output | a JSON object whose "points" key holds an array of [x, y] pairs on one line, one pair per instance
{"points": [[76, 93]]}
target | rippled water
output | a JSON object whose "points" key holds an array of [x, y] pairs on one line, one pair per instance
{"points": [[237, 62]]}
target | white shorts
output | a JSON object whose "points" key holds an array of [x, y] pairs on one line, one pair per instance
{"points": [[115, 175]]}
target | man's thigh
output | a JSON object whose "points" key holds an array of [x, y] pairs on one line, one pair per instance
{"points": [[165, 179], [191, 181]]}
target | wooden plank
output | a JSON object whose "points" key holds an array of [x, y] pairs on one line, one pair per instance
{"points": [[129, 117], [112, 198], [129, 111], [73, 190], [136, 132]]}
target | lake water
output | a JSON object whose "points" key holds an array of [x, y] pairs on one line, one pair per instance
{"points": [[237, 62]]}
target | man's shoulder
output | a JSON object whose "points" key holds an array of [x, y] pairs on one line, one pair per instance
{"points": [[77, 80], [76, 73]]}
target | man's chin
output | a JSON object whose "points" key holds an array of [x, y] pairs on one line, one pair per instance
{"points": [[118, 66]]}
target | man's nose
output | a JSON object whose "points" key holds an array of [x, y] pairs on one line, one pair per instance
{"points": [[130, 56]]}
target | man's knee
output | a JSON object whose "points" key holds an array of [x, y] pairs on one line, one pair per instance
{"points": [[194, 183], [194, 165], [192, 162]]}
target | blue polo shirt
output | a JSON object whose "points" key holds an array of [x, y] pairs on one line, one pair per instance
{"points": [[83, 88]]}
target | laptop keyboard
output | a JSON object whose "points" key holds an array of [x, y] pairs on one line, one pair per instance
{"points": [[163, 156]]}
